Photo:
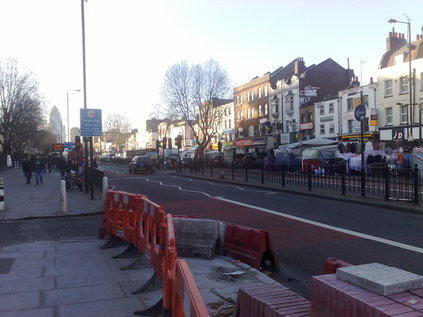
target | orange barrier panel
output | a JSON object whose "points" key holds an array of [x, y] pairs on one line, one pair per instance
{"points": [[169, 263], [106, 226], [187, 299], [247, 244], [331, 264], [123, 209], [154, 234]]}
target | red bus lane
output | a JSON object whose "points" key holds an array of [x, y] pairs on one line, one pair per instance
{"points": [[300, 248]]}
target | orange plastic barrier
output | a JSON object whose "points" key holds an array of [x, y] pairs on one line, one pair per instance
{"points": [[247, 244], [153, 228], [169, 263], [331, 264], [187, 299]]}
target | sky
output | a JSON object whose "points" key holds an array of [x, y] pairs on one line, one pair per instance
{"points": [[130, 44]]}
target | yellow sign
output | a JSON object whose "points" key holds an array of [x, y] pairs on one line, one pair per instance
{"points": [[373, 123], [356, 102], [215, 146]]}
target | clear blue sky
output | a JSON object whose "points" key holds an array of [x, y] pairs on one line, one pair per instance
{"points": [[131, 43]]}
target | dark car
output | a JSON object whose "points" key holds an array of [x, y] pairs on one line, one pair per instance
{"points": [[141, 164]]}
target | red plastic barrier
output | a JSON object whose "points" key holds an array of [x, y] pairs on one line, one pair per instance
{"points": [[169, 264], [187, 299], [246, 244], [331, 264]]}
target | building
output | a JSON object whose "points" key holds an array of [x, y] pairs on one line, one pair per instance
{"points": [[398, 118], [296, 91], [251, 106], [349, 128], [326, 118], [56, 126]]}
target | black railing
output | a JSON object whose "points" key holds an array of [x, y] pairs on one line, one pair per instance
{"points": [[379, 181]]}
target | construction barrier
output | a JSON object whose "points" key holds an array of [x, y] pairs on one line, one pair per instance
{"points": [[251, 246], [143, 224], [331, 264], [187, 300]]}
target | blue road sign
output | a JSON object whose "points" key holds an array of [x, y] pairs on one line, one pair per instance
{"points": [[91, 124], [360, 112]]}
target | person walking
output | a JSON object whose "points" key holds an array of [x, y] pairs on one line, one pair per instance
{"points": [[26, 168], [39, 167], [61, 164]]}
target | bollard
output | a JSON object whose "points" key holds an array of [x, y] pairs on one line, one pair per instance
{"points": [[63, 204], [1, 194], [105, 187]]}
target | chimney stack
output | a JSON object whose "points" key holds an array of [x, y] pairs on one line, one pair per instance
{"points": [[395, 41], [299, 66]]}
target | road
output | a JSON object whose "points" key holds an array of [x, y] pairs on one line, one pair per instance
{"points": [[304, 230]]}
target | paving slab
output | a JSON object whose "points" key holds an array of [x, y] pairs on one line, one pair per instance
{"points": [[380, 279]]}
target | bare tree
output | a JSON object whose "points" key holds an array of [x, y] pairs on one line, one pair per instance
{"points": [[189, 91], [118, 126], [21, 110]]}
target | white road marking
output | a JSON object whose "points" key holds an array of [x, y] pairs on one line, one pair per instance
{"points": [[322, 225]]}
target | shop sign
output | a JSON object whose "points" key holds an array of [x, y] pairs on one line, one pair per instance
{"points": [[398, 134], [246, 142], [214, 146], [354, 136], [306, 126], [373, 123], [58, 147], [326, 119], [259, 141]]}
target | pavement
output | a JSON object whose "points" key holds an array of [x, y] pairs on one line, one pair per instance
{"points": [[73, 276], [23, 201]]}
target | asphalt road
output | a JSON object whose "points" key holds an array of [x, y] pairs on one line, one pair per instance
{"points": [[304, 230]]}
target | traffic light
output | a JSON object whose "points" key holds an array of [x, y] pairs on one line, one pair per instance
{"points": [[219, 146], [169, 143], [157, 145], [164, 142], [77, 139]]}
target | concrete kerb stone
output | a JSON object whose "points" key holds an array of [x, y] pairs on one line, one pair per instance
{"points": [[196, 236], [398, 206]]}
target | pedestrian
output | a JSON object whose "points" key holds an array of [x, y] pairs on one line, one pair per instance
{"points": [[61, 165], [26, 168], [39, 167], [49, 163]]}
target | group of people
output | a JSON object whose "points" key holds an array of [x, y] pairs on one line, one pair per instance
{"points": [[37, 166]]}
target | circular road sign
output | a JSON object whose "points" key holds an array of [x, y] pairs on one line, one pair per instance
{"points": [[360, 112]]}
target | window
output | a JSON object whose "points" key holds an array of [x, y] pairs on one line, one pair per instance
{"points": [[331, 128], [404, 114], [259, 92], [266, 110], [226, 125], [366, 124], [303, 118], [251, 130], [265, 91], [309, 116], [322, 129], [252, 113], [388, 116], [229, 111], [350, 126], [230, 124], [365, 100], [252, 94], [289, 103], [388, 88], [404, 85], [248, 113], [248, 96], [322, 110], [259, 110], [237, 100], [240, 98], [331, 108], [225, 112], [241, 115], [349, 104]]}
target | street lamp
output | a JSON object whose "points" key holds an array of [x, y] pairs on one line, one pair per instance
{"points": [[67, 111], [410, 47]]}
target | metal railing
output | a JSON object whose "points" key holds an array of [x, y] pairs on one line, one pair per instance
{"points": [[379, 180]]}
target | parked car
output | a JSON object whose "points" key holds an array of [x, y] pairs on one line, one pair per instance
{"points": [[141, 164]]}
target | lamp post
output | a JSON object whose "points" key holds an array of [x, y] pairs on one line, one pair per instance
{"points": [[67, 111], [410, 47]]}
